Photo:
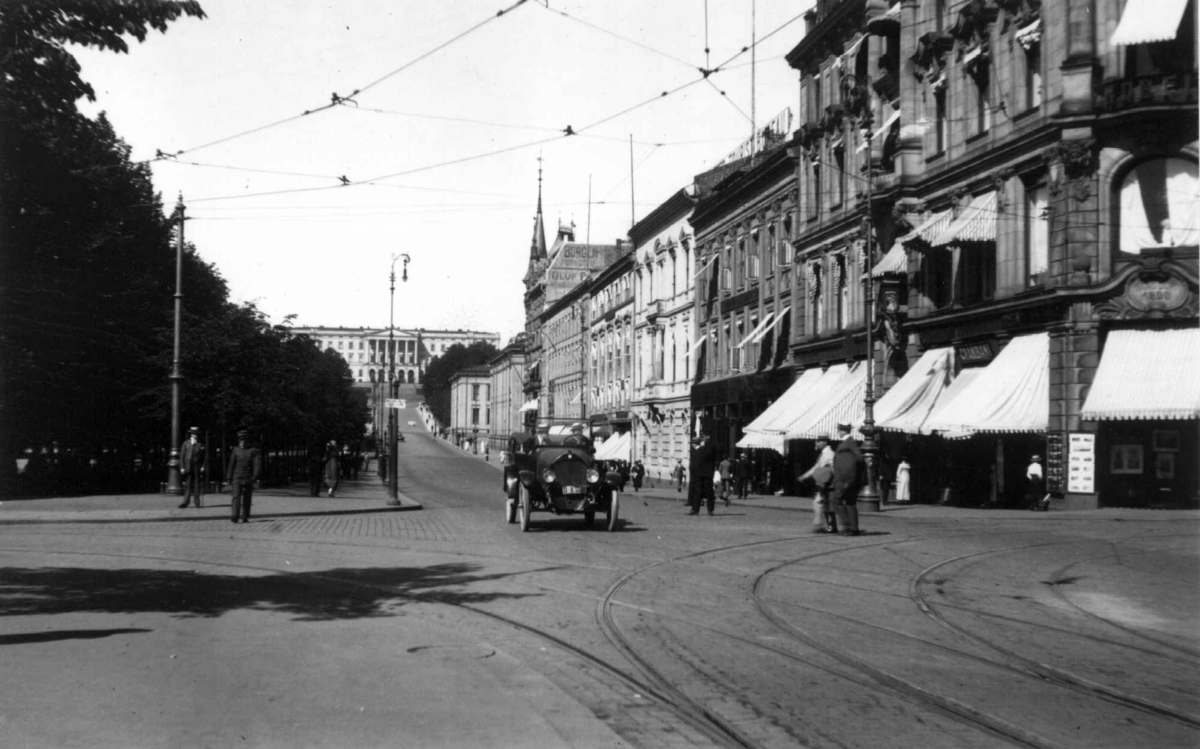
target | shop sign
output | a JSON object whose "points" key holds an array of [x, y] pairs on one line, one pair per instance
{"points": [[1153, 294], [1081, 463], [975, 353], [1054, 463]]}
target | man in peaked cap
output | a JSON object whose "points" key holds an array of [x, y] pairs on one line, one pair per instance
{"points": [[849, 475], [191, 468], [245, 466]]}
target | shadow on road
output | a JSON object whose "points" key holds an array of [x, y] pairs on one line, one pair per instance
{"points": [[64, 634], [327, 595]]}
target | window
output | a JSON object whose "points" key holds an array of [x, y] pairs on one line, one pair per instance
{"points": [[1159, 203], [1037, 236], [1033, 77], [942, 122], [841, 290], [816, 308], [839, 155], [975, 279], [475, 416], [752, 268], [475, 392]]}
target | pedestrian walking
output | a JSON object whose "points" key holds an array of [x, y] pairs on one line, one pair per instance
{"points": [[192, 468], [903, 480], [824, 520], [245, 467], [679, 474], [331, 467], [745, 474], [726, 469], [849, 475], [1036, 490], [704, 455], [638, 472]]}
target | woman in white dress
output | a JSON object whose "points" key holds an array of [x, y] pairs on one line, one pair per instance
{"points": [[903, 476]]}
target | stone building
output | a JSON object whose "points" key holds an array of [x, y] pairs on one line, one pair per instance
{"points": [[368, 351], [1018, 180], [471, 409], [507, 371], [608, 355], [664, 286]]}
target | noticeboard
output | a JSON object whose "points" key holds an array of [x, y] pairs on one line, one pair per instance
{"points": [[1081, 463], [1055, 468]]}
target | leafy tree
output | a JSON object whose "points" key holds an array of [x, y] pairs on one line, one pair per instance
{"points": [[441, 370]]}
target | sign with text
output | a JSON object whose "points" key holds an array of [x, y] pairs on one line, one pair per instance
{"points": [[395, 403], [1081, 463]]}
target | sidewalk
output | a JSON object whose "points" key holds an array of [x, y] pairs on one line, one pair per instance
{"points": [[364, 495]]}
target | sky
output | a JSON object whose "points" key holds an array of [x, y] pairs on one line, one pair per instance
{"points": [[441, 146]]}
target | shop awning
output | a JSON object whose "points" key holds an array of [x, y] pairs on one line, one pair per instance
{"points": [[757, 330], [790, 399], [530, 405], [929, 228], [895, 261], [1147, 374], [909, 402], [614, 448], [976, 223], [1145, 21], [883, 129], [1012, 394], [769, 328], [836, 398]]}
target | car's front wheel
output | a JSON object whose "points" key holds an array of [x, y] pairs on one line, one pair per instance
{"points": [[613, 509], [525, 506]]}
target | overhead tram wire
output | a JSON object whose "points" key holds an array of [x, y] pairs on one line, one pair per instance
{"points": [[335, 99], [626, 39]]}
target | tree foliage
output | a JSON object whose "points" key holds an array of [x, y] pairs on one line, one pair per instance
{"points": [[87, 276], [441, 370]]}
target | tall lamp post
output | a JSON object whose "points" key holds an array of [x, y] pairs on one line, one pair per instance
{"points": [[869, 498], [393, 452], [174, 481]]}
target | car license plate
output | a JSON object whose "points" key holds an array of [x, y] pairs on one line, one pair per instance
{"points": [[572, 490]]}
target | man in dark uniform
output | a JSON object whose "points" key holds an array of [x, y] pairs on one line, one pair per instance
{"points": [[191, 468], [245, 466], [849, 475], [703, 464], [745, 474]]}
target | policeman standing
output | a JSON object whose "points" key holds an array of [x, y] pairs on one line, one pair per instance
{"points": [[245, 466], [191, 468]]}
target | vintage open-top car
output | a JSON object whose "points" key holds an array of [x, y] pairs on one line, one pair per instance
{"points": [[553, 470]]}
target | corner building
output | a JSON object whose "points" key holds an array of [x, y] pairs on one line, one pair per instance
{"points": [[1018, 180]]}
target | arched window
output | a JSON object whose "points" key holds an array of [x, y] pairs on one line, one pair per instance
{"points": [[1159, 205]]}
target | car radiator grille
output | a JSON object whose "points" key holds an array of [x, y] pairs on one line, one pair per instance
{"points": [[571, 473]]}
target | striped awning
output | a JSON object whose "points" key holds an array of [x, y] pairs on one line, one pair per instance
{"points": [[1012, 394], [895, 261], [614, 448], [1145, 21], [836, 399], [794, 395], [908, 403], [976, 223], [929, 228], [530, 405], [1146, 374]]}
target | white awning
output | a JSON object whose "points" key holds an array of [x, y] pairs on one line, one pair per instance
{"points": [[1145, 21], [929, 228], [615, 448], [1147, 374], [533, 366], [1012, 394], [882, 131], [768, 329], [530, 405], [697, 343], [906, 405], [705, 266], [895, 261], [976, 223], [842, 403], [757, 329], [789, 400]]}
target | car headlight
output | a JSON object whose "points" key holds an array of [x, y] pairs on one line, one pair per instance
{"points": [[593, 476], [548, 476]]}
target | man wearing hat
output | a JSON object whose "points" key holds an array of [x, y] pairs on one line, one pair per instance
{"points": [[824, 521], [245, 466], [849, 475], [703, 463], [1036, 482], [191, 468]]}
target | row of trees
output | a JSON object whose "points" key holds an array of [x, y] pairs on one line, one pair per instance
{"points": [[441, 370], [87, 278]]}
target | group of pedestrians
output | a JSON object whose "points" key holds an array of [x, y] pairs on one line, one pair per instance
{"points": [[243, 472], [839, 474], [736, 477]]}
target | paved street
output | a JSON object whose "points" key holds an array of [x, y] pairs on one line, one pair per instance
{"points": [[344, 622]]}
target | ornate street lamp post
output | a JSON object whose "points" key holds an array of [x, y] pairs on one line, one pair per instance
{"points": [[174, 482], [393, 389], [868, 498]]}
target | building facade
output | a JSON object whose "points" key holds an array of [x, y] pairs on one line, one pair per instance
{"points": [[664, 250], [609, 354], [1017, 181], [745, 283], [507, 372], [368, 351], [471, 408]]}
